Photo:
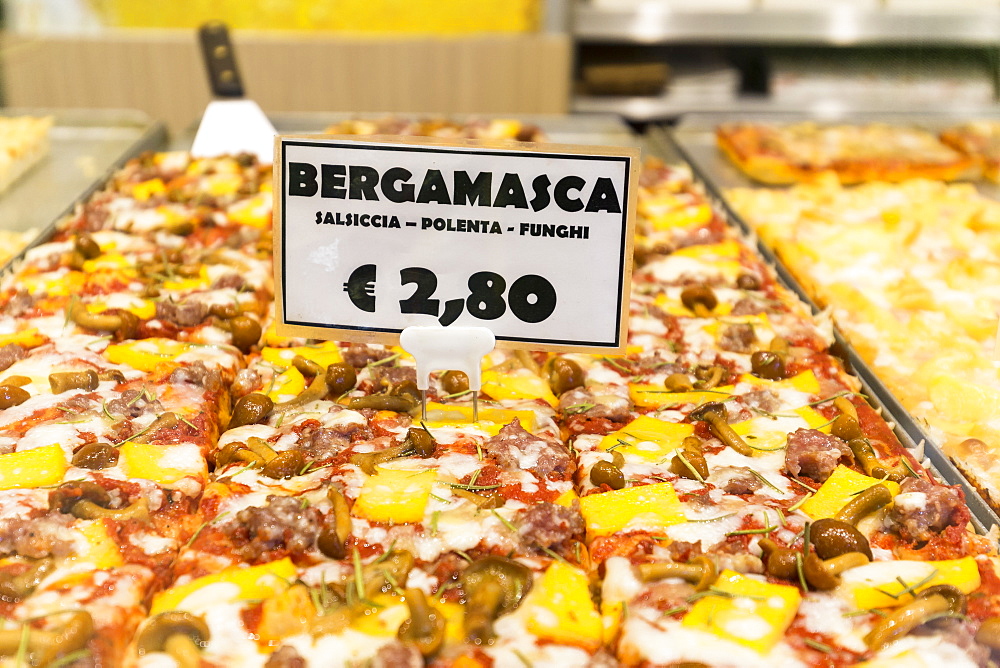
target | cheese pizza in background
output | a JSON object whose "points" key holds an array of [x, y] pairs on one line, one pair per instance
{"points": [[979, 140], [909, 272], [179, 486], [794, 153]]}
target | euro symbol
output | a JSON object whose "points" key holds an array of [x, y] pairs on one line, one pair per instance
{"points": [[360, 287]]}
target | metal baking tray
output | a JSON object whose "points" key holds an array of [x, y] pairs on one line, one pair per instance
{"points": [[695, 135], [86, 146], [694, 141]]}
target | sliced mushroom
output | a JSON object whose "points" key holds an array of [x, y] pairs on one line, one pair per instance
{"points": [[989, 633], [251, 408], [714, 414], [867, 502], [824, 574], [693, 464], [425, 626], [179, 634], [563, 375], [284, 465], [606, 473], [768, 365], [340, 378], [493, 586], [332, 538], [96, 456], [454, 382], [709, 376], [167, 420], [14, 588], [124, 324], [315, 391], [700, 300], [64, 497], [63, 381], [11, 395], [383, 575], [864, 453], [831, 538], [780, 562], [929, 604], [678, 382], [700, 571], [417, 442], [46, 646]]}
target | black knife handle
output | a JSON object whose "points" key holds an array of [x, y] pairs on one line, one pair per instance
{"points": [[220, 61]]}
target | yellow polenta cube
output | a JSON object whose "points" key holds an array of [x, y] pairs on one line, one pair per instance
{"points": [[143, 190], [559, 608], [654, 396], [26, 338], [517, 384], [491, 420], [880, 584], [287, 382], [839, 489], [145, 354], [752, 613], [238, 583], [644, 507], [395, 495], [647, 437], [157, 463], [324, 354], [37, 467], [103, 551]]}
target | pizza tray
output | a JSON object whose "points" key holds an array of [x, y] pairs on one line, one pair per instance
{"points": [[694, 135], [85, 147], [591, 129], [694, 142]]}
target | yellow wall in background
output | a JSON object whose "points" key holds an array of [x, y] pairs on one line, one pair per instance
{"points": [[439, 17]]}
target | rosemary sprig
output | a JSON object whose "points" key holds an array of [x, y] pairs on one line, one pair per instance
{"points": [[815, 644], [387, 360], [359, 575], [455, 395], [576, 409], [674, 611], [505, 521], [471, 488], [764, 480], [203, 525], [552, 554], [611, 362], [70, 658], [747, 532], [709, 519], [798, 504], [802, 484], [690, 467], [801, 573]]}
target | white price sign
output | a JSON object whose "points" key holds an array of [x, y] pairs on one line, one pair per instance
{"points": [[377, 234]]}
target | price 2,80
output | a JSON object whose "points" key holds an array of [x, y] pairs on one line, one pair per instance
{"points": [[531, 298]]}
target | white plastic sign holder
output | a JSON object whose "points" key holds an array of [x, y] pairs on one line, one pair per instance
{"points": [[448, 349]]}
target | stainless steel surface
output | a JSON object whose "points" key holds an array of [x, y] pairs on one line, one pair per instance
{"points": [[85, 145], [653, 22], [695, 143]]}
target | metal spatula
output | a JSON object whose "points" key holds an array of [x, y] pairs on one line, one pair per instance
{"points": [[231, 123]]}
